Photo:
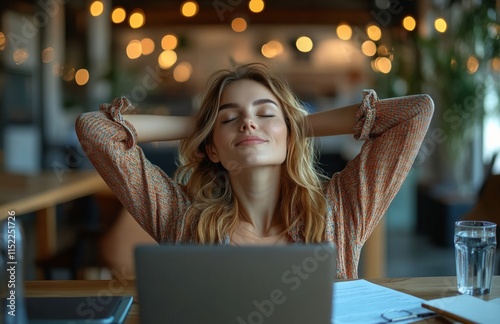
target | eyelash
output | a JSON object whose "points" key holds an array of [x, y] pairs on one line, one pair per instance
{"points": [[230, 120]]}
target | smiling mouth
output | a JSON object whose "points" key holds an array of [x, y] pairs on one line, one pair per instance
{"points": [[251, 141]]}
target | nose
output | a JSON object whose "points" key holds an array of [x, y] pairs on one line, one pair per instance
{"points": [[248, 124]]}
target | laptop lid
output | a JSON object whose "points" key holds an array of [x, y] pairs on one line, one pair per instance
{"points": [[220, 284]]}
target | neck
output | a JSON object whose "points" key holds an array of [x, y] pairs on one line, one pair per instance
{"points": [[257, 191]]}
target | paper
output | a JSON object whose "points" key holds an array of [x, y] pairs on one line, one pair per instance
{"points": [[467, 309], [360, 301]]}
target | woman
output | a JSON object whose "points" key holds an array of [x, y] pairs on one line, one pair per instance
{"points": [[247, 172]]}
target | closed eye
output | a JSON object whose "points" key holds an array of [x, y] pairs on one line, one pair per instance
{"points": [[228, 120], [267, 115]]}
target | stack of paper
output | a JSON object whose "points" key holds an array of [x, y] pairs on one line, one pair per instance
{"points": [[360, 301], [466, 309]]}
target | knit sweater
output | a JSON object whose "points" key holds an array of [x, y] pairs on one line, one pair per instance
{"points": [[357, 197]]}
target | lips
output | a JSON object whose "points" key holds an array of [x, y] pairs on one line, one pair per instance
{"points": [[250, 140]]}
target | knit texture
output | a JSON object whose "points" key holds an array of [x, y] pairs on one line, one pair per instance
{"points": [[357, 197]]}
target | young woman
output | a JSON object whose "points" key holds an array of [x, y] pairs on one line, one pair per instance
{"points": [[247, 172]]}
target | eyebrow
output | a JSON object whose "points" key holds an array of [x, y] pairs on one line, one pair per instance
{"points": [[255, 103]]}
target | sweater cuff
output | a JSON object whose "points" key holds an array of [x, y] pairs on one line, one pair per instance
{"points": [[365, 116], [114, 112]]}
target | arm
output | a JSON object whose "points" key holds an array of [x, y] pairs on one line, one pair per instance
{"points": [[333, 122], [151, 128], [393, 130], [156, 202]]}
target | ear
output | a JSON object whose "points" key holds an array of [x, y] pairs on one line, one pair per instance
{"points": [[212, 153]]}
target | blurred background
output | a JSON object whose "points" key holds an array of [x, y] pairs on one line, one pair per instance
{"points": [[59, 58]]}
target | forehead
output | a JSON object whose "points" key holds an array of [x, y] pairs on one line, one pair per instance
{"points": [[245, 90]]}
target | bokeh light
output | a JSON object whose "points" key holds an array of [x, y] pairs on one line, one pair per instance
{"points": [[20, 56], [167, 59], [440, 25], [374, 32], [239, 25], [256, 6], [137, 19], [118, 15], [169, 42], [82, 77], [304, 44], [48, 55], [189, 8], [96, 8], [134, 49], [148, 46], [369, 48], [182, 72], [409, 23], [472, 64], [344, 32]]}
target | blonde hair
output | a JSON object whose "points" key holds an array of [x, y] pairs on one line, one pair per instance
{"points": [[214, 210]]}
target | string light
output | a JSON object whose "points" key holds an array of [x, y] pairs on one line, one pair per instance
{"points": [[167, 59], [472, 64], [304, 44], [440, 25], [118, 15], [239, 25], [82, 76], [169, 42], [409, 23], [182, 72], [189, 8], [134, 49], [344, 32], [96, 8], [256, 6], [374, 32], [48, 55], [137, 19], [369, 48], [147, 46]]}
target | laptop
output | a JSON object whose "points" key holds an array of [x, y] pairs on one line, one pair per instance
{"points": [[243, 285]]}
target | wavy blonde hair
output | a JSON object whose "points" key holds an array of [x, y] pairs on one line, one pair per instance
{"points": [[214, 210]]}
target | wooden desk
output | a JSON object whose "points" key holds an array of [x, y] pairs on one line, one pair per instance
{"points": [[41, 193], [425, 288]]}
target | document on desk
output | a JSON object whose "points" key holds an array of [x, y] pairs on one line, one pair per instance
{"points": [[360, 301]]}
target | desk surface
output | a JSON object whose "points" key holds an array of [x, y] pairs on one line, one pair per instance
{"points": [[423, 287], [29, 193]]}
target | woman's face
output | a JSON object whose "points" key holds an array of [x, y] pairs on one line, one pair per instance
{"points": [[250, 129]]}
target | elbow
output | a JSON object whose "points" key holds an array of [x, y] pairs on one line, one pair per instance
{"points": [[425, 106]]}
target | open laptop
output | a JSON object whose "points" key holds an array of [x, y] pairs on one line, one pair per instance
{"points": [[220, 284]]}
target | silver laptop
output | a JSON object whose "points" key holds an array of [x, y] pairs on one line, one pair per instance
{"points": [[182, 284]]}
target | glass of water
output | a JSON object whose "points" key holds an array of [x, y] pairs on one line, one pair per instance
{"points": [[475, 249]]}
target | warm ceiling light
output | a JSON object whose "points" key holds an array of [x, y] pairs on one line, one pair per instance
{"points": [[82, 77], [304, 44], [495, 64], [118, 15], [20, 56], [169, 42], [148, 46], [134, 49], [374, 32], [182, 72], [137, 19], [256, 6], [189, 8], [48, 55], [440, 25], [167, 59], [239, 25], [369, 48], [383, 65], [96, 8], [472, 64], [344, 32], [409, 23]]}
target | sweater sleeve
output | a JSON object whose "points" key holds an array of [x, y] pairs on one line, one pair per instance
{"points": [[156, 201], [393, 130]]}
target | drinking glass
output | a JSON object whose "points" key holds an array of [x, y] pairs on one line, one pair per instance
{"points": [[475, 248]]}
